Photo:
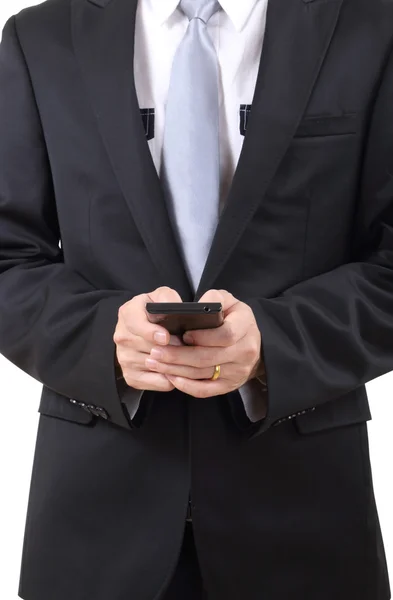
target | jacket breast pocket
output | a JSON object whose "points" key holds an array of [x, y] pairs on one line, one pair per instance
{"points": [[324, 126], [350, 409], [56, 405]]}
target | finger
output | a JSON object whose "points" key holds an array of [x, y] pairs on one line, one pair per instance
{"points": [[144, 380], [188, 372], [235, 327], [131, 359], [133, 354], [135, 342], [193, 356], [201, 389], [134, 316]]}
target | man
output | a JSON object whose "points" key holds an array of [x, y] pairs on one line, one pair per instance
{"points": [[239, 152]]}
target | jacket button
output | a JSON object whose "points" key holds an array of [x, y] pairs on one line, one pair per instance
{"points": [[94, 410]]}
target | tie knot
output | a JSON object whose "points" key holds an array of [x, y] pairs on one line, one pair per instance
{"points": [[199, 9]]}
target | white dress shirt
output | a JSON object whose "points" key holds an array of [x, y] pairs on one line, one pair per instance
{"points": [[237, 32]]}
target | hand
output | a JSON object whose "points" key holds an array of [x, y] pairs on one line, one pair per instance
{"points": [[135, 336], [235, 346]]}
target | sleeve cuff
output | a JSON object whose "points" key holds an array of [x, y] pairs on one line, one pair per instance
{"points": [[254, 398]]}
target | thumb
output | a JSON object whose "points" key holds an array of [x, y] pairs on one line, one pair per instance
{"points": [[226, 298], [164, 294]]}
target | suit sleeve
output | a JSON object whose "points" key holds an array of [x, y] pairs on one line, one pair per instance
{"points": [[330, 334], [54, 324]]}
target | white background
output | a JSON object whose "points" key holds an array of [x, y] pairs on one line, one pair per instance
{"points": [[19, 418]]}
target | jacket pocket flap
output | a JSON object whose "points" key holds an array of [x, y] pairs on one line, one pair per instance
{"points": [[325, 126], [53, 404], [347, 410]]}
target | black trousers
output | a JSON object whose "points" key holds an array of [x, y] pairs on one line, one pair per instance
{"points": [[186, 583]]}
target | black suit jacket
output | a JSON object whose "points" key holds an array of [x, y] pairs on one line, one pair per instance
{"points": [[283, 508]]}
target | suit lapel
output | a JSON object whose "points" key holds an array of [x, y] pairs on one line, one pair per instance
{"points": [[103, 37], [298, 34], [297, 37]]}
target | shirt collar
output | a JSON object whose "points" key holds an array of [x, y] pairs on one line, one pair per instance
{"points": [[238, 11], [162, 9]]}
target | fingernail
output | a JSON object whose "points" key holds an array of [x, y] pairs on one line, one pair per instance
{"points": [[151, 364], [160, 337], [188, 338], [156, 353]]}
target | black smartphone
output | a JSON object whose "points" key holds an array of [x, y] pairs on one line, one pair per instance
{"points": [[178, 317]]}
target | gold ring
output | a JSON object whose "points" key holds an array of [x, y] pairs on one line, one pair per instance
{"points": [[217, 371]]}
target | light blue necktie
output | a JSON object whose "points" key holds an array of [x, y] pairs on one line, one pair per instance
{"points": [[190, 167]]}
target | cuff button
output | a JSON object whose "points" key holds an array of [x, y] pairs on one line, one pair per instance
{"points": [[102, 412]]}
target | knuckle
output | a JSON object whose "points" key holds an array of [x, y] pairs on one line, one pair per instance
{"points": [[122, 311], [251, 352], [123, 315], [248, 352], [121, 337]]}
